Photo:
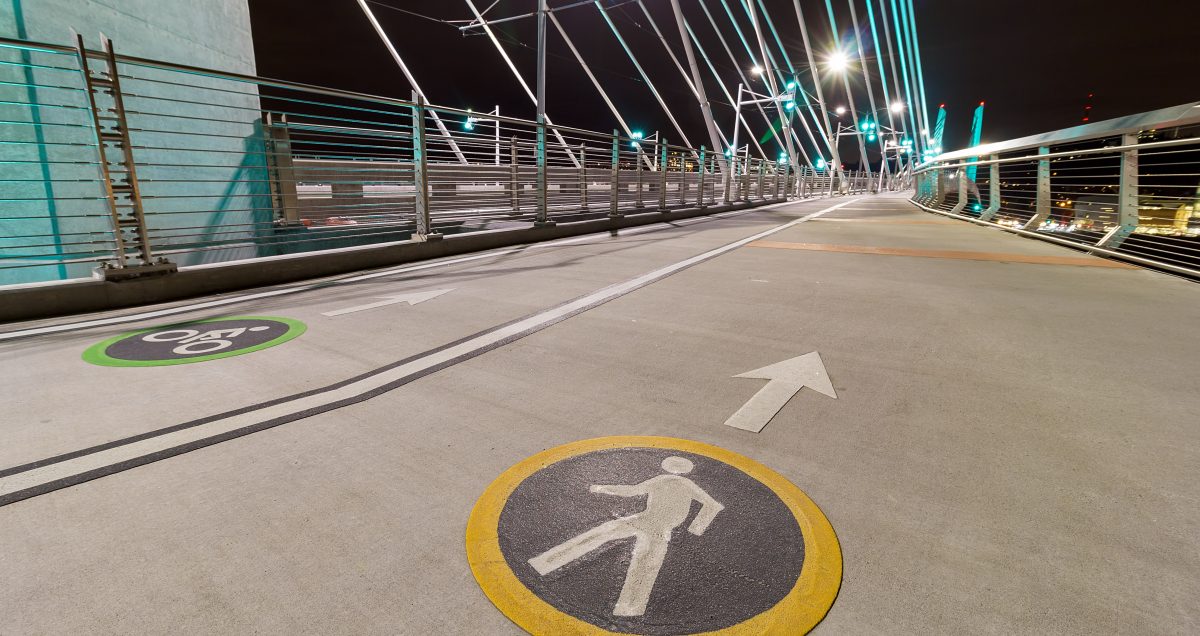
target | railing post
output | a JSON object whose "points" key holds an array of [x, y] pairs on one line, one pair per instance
{"points": [[1127, 196], [1042, 209], [421, 173], [583, 180], [280, 161], [727, 179], [762, 177], [962, 192], [615, 180], [683, 177], [662, 177], [993, 191], [745, 180], [514, 176], [543, 181], [641, 160], [700, 180]]}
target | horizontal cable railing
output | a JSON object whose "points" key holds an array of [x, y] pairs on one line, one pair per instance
{"points": [[135, 166], [1127, 188]]}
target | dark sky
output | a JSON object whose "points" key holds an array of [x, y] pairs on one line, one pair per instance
{"points": [[1033, 61]]}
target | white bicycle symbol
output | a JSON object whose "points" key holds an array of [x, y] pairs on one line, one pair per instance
{"points": [[194, 342]]}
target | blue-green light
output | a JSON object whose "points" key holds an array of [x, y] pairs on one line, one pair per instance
{"points": [[791, 86], [820, 163]]}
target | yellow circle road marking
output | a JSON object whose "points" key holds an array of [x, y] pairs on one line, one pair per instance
{"points": [[798, 612]]}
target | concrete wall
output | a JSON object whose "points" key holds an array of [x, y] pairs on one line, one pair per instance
{"points": [[214, 176]]}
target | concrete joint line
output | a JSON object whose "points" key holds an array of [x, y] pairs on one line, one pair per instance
{"points": [[36, 478]]}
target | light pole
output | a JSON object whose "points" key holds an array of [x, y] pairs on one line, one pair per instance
{"points": [[839, 62], [786, 103], [869, 130], [473, 120], [637, 137]]}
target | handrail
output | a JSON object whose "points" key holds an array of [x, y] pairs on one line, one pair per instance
{"points": [[1135, 196], [1170, 117]]}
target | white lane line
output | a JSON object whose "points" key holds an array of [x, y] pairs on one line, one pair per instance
{"points": [[41, 479], [182, 309]]}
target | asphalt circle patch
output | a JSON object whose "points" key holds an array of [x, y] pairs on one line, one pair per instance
{"points": [[652, 535], [196, 341]]}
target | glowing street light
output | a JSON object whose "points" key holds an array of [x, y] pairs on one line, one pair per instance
{"points": [[897, 107], [840, 110], [791, 86], [757, 70], [837, 61], [634, 137]]}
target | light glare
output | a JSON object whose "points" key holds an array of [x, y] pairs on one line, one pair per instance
{"points": [[838, 61]]}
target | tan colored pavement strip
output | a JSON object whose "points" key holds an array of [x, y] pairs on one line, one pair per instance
{"points": [[1081, 261], [897, 221]]}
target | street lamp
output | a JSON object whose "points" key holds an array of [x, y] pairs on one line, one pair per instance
{"points": [[637, 138], [837, 61], [786, 101], [897, 107], [840, 110], [474, 120], [757, 70]]}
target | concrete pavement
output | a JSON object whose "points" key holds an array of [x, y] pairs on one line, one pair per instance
{"points": [[1012, 448]]}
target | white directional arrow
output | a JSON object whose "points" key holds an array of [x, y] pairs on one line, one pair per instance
{"points": [[411, 299], [786, 379]]}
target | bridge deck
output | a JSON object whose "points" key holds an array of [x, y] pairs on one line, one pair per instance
{"points": [[1013, 447]]}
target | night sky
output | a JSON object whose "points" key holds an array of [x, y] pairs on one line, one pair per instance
{"points": [[1033, 61]]}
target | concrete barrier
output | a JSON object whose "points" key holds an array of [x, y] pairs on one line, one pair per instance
{"points": [[43, 300]]}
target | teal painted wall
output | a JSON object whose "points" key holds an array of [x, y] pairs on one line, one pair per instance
{"points": [[197, 141]]}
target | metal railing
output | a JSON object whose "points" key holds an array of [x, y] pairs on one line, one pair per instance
{"points": [[1126, 188], [137, 166]]}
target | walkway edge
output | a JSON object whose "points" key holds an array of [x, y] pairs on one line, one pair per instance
{"points": [[31, 302]]}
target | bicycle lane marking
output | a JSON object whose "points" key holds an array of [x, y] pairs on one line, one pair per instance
{"points": [[196, 341], [36, 478]]}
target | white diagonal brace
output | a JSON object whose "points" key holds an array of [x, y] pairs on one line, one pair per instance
{"points": [[513, 67], [411, 80]]}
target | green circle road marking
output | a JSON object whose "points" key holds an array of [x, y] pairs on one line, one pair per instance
{"points": [[195, 341]]}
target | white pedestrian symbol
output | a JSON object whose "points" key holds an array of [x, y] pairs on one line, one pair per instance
{"points": [[668, 502]]}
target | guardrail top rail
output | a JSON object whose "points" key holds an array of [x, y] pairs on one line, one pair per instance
{"points": [[1125, 188]]}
